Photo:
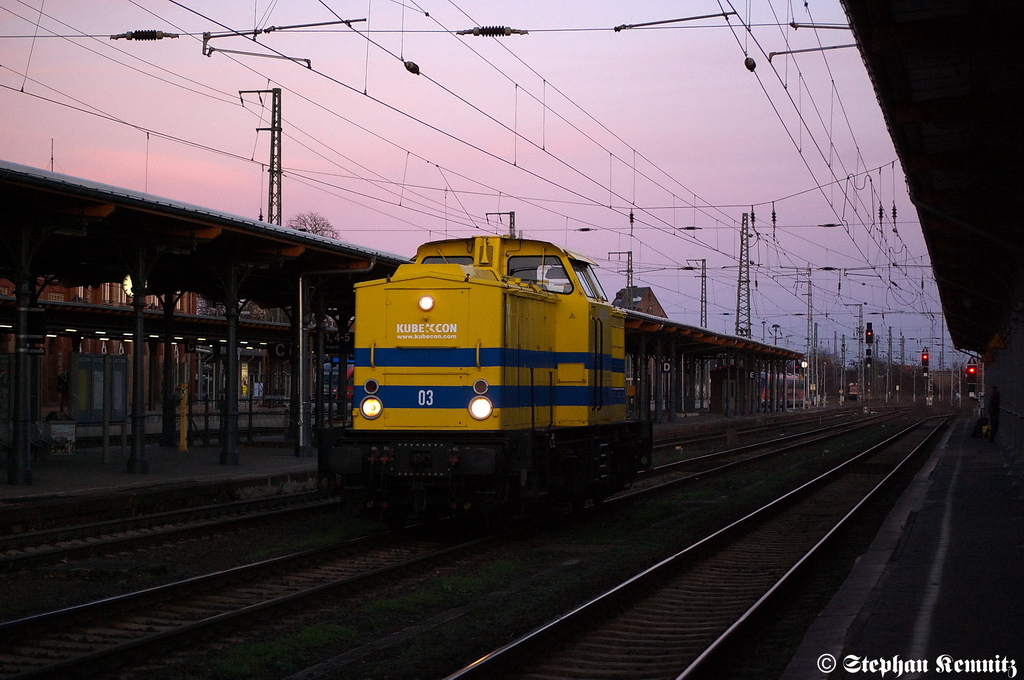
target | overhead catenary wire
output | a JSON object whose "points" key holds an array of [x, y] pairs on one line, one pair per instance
{"points": [[624, 202], [803, 126], [446, 133]]}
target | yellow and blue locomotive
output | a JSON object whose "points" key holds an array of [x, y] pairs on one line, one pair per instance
{"points": [[489, 374]]}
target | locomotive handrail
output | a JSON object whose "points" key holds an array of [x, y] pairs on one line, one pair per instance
{"points": [[600, 363], [595, 385]]}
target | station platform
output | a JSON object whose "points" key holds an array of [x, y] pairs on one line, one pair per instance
{"points": [[85, 474], [940, 589]]}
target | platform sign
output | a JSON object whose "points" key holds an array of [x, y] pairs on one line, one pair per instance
{"points": [[63, 435], [338, 343]]}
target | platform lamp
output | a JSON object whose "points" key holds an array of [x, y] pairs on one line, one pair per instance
{"points": [[803, 367]]}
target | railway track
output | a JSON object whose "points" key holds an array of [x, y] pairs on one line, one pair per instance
{"points": [[51, 546], [815, 418], [671, 620], [699, 467], [33, 549], [95, 637], [80, 639]]}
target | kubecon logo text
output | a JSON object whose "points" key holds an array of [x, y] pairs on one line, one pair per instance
{"points": [[427, 331]]}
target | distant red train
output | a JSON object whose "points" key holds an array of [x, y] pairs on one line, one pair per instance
{"points": [[794, 386], [795, 390]]}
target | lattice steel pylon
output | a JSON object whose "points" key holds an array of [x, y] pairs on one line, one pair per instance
{"points": [[274, 171], [743, 284]]}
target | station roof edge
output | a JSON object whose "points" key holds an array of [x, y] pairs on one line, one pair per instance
{"points": [[653, 324], [88, 189]]}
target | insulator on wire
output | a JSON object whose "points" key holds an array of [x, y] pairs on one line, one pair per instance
{"points": [[144, 35], [492, 31]]}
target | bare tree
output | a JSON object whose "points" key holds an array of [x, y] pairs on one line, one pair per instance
{"points": [[313, 223]]}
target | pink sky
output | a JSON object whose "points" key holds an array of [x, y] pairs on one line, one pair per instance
{"points": [[570, 129]]}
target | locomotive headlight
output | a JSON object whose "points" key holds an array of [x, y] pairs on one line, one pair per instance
{"points": [[371, 407], [426, 303], [480, 408]]}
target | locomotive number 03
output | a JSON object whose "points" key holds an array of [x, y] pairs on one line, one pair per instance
{"points": [[425, 398]]}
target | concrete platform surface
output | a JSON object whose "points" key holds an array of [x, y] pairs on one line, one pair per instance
{"points": [[84, 472], [940, 592]]}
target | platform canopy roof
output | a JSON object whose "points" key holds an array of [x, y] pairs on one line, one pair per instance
{"points": [[695, 340], [86, 233], [948, 75]]}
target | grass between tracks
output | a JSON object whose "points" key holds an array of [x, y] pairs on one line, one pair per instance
{"points": [[443, 620]]}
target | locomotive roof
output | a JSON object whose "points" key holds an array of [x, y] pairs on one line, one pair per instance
{"points": [[547, 244]]}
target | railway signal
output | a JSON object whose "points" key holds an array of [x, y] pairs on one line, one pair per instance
{"points": [[869, 334], [924, 362]]}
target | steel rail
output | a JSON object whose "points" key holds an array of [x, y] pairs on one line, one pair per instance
{"points": [[117, 654], [699, 664], [749, 429], [510, 657], [823, 435], [36, 548], [834, 428]]}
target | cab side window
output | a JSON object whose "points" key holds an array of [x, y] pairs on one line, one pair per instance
{"points": [[587, 279], [547, 272]]}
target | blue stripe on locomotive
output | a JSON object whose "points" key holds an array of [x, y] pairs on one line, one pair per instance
{"points": [[501, 396], [415, 357]]}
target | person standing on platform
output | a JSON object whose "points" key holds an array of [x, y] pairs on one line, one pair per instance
{"points": [[993, 412]]}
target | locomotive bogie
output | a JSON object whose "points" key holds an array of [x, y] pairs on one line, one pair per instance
{"points": [[524, 469]]}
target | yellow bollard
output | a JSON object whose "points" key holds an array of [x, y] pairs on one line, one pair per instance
{"points": [[183, 419]]}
